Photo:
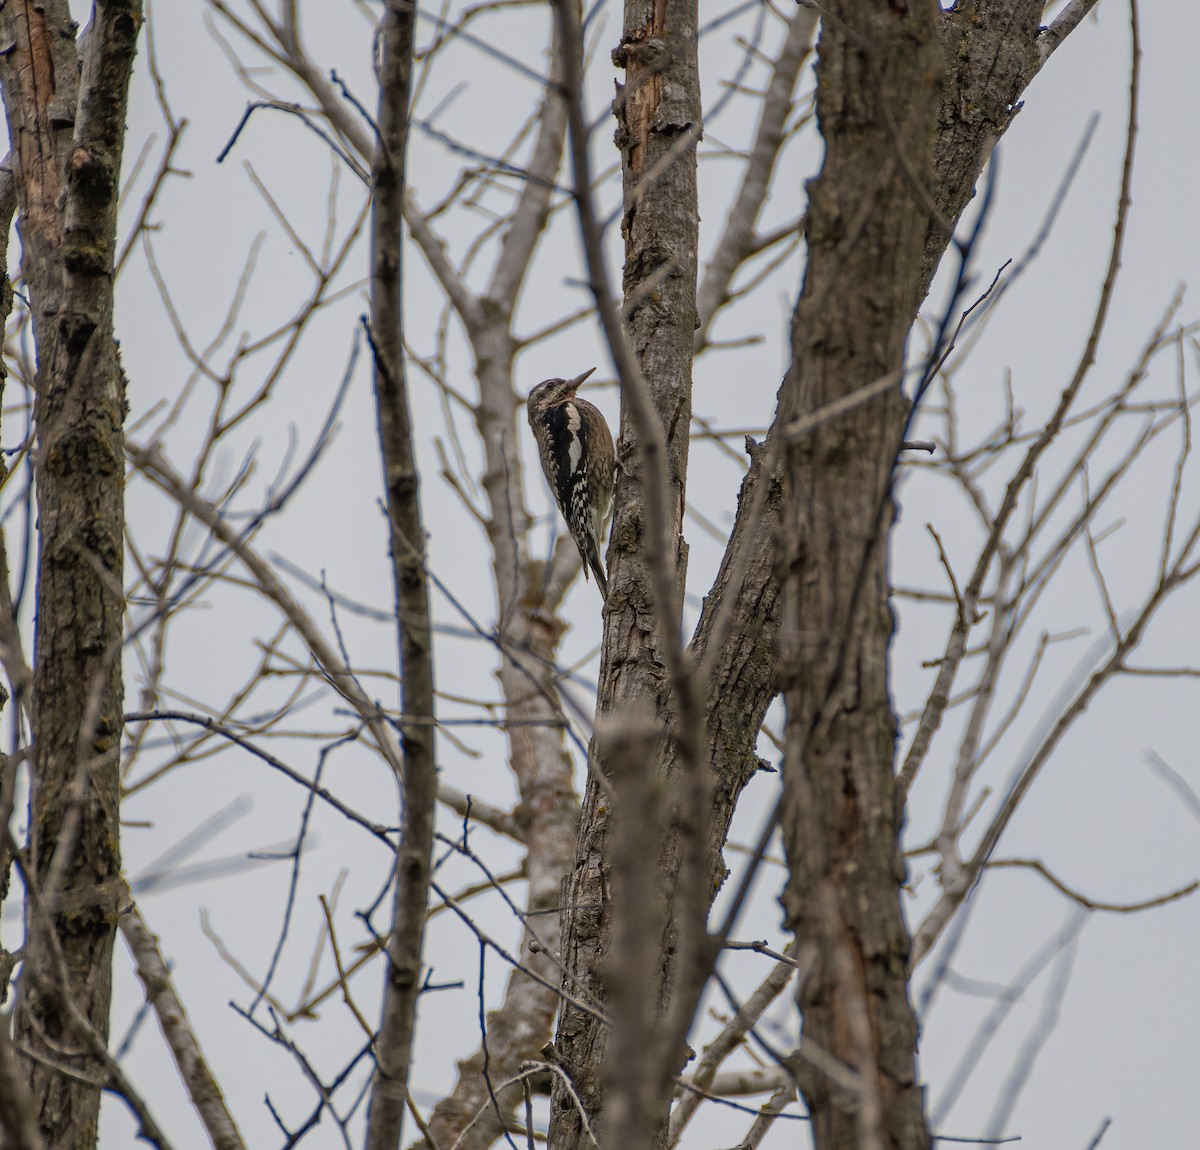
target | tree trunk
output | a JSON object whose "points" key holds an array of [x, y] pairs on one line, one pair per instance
{"points": [[866, 228], [393, 1043], [658, 117], [990, 54], [67, 124]]}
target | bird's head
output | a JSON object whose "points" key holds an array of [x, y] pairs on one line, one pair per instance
{"points": [[551, 392]]}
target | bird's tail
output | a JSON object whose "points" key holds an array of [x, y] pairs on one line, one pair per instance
{"points": [[597, 566]]}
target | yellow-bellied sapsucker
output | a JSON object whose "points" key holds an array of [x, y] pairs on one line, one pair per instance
{"points": [[578, 458]]}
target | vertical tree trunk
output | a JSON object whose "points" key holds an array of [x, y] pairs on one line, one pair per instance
{"points": [[880, 66], [960, 74], [8, 767], [393, 1044], [67, 128], [658, 117]]}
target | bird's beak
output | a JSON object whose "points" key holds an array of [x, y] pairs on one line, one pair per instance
{"points": [[580, 378]]}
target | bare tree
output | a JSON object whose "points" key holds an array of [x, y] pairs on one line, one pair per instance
{"points": [[612, 915]]}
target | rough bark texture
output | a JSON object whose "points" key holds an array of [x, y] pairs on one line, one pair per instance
{"points": [[658, 117], [10, 645], [991, 52], [67, 123], [866, 228], [18, 1122], [393, 1044], [991, 55]]}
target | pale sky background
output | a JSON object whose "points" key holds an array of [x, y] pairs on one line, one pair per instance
{"points": [[1124, 1045]]}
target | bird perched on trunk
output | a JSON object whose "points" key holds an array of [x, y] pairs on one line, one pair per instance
{"points": [[578, 459]]}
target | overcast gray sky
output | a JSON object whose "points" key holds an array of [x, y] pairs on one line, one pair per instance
{"points": [[1124, 1045]]}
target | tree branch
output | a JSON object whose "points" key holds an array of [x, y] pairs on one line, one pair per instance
{"points": [[418, 781], [194, 1072]]}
